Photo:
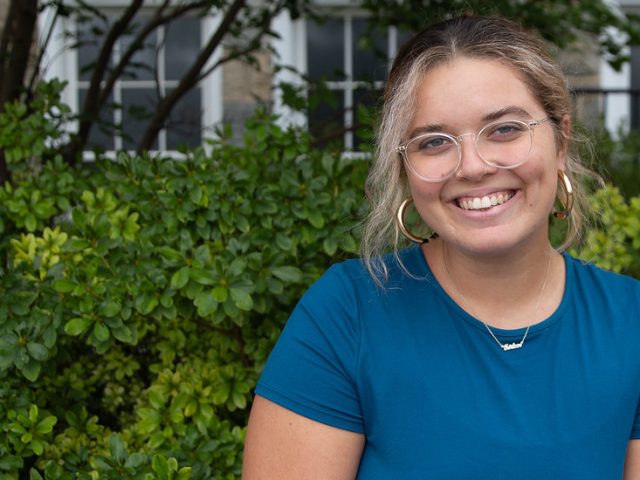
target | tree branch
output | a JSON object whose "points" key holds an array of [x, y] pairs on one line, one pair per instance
{"points": [[42, 49], [156, 21], [190, 79], [92, 105], [15, 47]]}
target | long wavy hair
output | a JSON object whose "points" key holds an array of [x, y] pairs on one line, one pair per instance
{"points": [[478, 37]]}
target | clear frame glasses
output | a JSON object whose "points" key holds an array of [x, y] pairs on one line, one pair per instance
{"points": [[435, 156]]}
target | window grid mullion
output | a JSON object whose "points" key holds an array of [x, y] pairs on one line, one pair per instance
{"points": [[117, 99], [348, 87], [161, 78]]}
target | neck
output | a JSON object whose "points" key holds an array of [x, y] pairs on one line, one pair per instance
{"points": [[506, 291]]}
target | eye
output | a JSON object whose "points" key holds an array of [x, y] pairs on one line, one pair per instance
{"points": [[505, 131], [431, 144]]}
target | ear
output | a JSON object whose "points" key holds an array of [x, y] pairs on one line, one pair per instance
{"points": [[564, 134]]}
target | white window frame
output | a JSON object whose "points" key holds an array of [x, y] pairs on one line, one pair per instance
{"points": [[60, 60], [291, 50]]}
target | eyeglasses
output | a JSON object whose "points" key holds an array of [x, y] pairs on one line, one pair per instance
{"points": [[434, 157]]}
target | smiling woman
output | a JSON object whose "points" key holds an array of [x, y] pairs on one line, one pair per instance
{"points": [[479, 352]]}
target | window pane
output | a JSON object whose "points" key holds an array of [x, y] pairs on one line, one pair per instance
{"points": [[91, 32], [325, 49], [143, 63], [137, 107], [369, 52], [184, 126], [365, 105], [326, 122], [101, 136], [403, 37], [182, 44]]}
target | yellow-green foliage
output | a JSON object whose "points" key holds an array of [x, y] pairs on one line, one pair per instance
{"points": [[614, 241], [138, 306]]}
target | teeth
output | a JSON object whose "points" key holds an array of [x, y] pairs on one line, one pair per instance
{"points": [[479, 203]]}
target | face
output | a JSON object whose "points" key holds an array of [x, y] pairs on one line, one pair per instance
{"points": [[462, 97]]}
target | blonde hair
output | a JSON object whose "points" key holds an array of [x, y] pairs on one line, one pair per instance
{"points": [[491, 38]]}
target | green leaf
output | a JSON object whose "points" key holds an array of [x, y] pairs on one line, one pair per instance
{"points": [[46, 424], [160, 466], [135, 460], [30, 222], [30, 370], [315, 218], [184, 473], [37, 446], [10, 462], [287, 274], [35, 475], [202, 276], [117, 449], [101, 332], [170, 254], [330, 246], [62, 285], [206, 303], [220, 294], [180, 278], [109, 309], [241, 298], [77, 326], [239, 400], [123, 334], [145, 303], [38, 351]]}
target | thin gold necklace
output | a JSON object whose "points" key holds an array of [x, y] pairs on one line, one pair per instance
{"points": [[504, 346]]}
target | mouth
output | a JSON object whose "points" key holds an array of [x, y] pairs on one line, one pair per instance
{"points": [[485, 202]]}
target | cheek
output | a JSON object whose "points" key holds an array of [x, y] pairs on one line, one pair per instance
{"points": [[424, 192]]}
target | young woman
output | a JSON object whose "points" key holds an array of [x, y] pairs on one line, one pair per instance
{"points": [[481, 352]]}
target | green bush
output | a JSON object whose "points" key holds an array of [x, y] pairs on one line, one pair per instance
{"points": [[140, 298], [613, 242]]}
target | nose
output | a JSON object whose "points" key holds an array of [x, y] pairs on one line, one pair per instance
{"points": [[471, 166]]}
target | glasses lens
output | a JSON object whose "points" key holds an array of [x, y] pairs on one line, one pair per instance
{"points": [[505, 144], [433, 156]]}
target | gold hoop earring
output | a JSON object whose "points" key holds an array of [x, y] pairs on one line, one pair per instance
{"points": [[400, 221], [566, 197]]}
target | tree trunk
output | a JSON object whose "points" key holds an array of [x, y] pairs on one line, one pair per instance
{"points": [[189, 80], [15, 47]]}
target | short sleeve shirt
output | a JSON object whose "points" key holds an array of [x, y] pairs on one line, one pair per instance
{"points": [[435, 396]]}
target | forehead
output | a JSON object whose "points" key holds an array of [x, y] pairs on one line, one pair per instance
{"points": [[461, 93]]}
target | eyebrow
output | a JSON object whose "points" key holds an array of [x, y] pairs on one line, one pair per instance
{"points": [[489, 117]]}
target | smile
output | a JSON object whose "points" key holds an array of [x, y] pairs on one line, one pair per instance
{"points": [[483, 203]]}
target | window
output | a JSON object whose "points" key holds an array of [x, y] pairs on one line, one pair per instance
{"points": [[352, 65], [154, 71]]}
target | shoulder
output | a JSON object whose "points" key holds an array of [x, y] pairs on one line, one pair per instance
{"points": [[588, 271], [351, 278], [602, 287]]}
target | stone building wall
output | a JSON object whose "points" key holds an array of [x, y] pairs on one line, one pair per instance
{"points": [[245, 87]]}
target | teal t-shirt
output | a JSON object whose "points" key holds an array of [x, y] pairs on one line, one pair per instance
{"points": [[436, 397]]}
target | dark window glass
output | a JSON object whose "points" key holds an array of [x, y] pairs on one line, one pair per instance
{"points": [[635, 86], [369, 51], [182, 44], [91, 33], [325, 49], [137, 106], [403, 37], [184, 126], [365, 105], [144, 61], [101, 136], [326, 121]]}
